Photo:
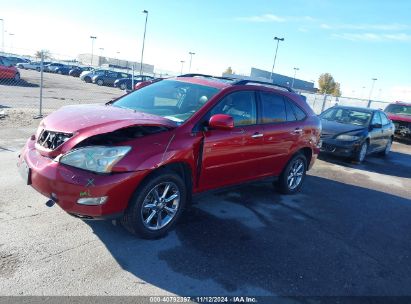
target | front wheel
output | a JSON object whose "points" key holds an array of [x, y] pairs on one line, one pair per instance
{"points": [[123, 86], [361, 153], [100, 82], [17, 77], [293, 175], [156, 206], [87, 79]]}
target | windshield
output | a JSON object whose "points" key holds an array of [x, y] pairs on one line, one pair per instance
{"points": [[174, 100], [399, 109], [347, 116]]}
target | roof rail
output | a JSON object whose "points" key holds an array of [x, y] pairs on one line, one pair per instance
{"points": [[206, 76], [249, 81]]}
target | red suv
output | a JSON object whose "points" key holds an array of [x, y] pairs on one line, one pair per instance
{"points": [[400, 114], [7, 70], [142, 156]]}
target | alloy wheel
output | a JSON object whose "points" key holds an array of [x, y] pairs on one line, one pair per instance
{"points": [[160, 205], [295, 174]]}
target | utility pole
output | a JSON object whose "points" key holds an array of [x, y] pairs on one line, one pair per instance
{"points": [[182, 65], [191, 58], [92, 48], [295, 73]]}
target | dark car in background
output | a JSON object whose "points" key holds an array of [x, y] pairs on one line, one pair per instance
{"points": [[127, 83], [75, 72], [355, 132], [15, 60], [8, 70], [143, 84], [64, 70], [400, 114], [108, 78]]}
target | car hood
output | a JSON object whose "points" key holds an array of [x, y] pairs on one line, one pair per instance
{"points": [[397, 117], [84, 121], [332, 128]]}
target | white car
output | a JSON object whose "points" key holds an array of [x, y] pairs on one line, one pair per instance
{"points": [[31, 65]]}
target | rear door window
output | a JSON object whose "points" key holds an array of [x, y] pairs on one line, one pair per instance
{"points": [[273, 108]]}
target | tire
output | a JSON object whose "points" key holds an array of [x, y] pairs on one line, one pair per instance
{"points": [[293, 175], [143, 221], [17, 77], [387, 149], [38, 69], [100, 82], [123, 86], [360, 155], [87, 79], [60, 72]]}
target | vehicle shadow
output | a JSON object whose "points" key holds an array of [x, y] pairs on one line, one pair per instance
{"points": [[21, 83], [395, 164], [332, 239]]}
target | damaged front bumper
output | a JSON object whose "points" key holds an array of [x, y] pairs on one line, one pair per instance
{"points": [[81, 193]]}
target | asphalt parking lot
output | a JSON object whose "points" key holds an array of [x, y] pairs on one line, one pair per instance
{"points": [[346, 233]]}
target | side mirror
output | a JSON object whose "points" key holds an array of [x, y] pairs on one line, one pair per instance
{"points": [[376, 126], [221, 122]]}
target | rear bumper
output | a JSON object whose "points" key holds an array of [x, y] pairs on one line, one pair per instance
{"points": [[66, 185]]}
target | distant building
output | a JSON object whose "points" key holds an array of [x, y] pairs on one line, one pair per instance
{"points": [[261, 75], [108, 62]]}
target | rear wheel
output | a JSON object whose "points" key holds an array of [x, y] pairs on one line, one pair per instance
{"points": [[156, 206], [293, 175], [60, 72], [123, 86], [387, 149], [87, 79], [100, 82]]}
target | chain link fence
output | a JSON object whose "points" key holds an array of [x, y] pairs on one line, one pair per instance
{"points": [[29, 89]]}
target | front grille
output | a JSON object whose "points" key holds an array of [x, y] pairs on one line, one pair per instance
{"points": [[52, 140], [328, 148], [402, 127]]}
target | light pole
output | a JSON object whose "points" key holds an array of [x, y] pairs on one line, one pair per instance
{"points": [[295, 73], [101, 56], [11, 41], [191, 58], [182, 65], [92, 47], [144, 40], [118, 59], [372, 87], [2, 35], [275, 56]]}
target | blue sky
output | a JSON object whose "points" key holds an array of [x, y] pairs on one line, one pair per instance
{"points": [[353, 40]]}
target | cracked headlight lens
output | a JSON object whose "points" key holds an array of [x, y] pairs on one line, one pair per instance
{"points": [[98, 159]]}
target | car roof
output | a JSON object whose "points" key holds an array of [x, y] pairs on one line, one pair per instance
{"points": [[363, 109], [401, 103]]}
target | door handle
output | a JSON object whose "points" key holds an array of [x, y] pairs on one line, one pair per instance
{"points": [[257, 135], [297, 131]]}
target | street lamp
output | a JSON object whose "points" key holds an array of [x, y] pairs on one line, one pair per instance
{"points": [[101, 56], [118, 59], [275, 56], [144, 39], [372, 87], [295, 73], [182, 65], [11, 41], [191, 58], [2, 35], [92, 47]]}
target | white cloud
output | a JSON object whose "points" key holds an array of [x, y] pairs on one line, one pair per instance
{"points": [[373, 37], [366, 27], [262, 18]]}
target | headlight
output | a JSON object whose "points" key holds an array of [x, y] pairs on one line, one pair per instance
{"points": [[347, 137], [97, 159]]}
